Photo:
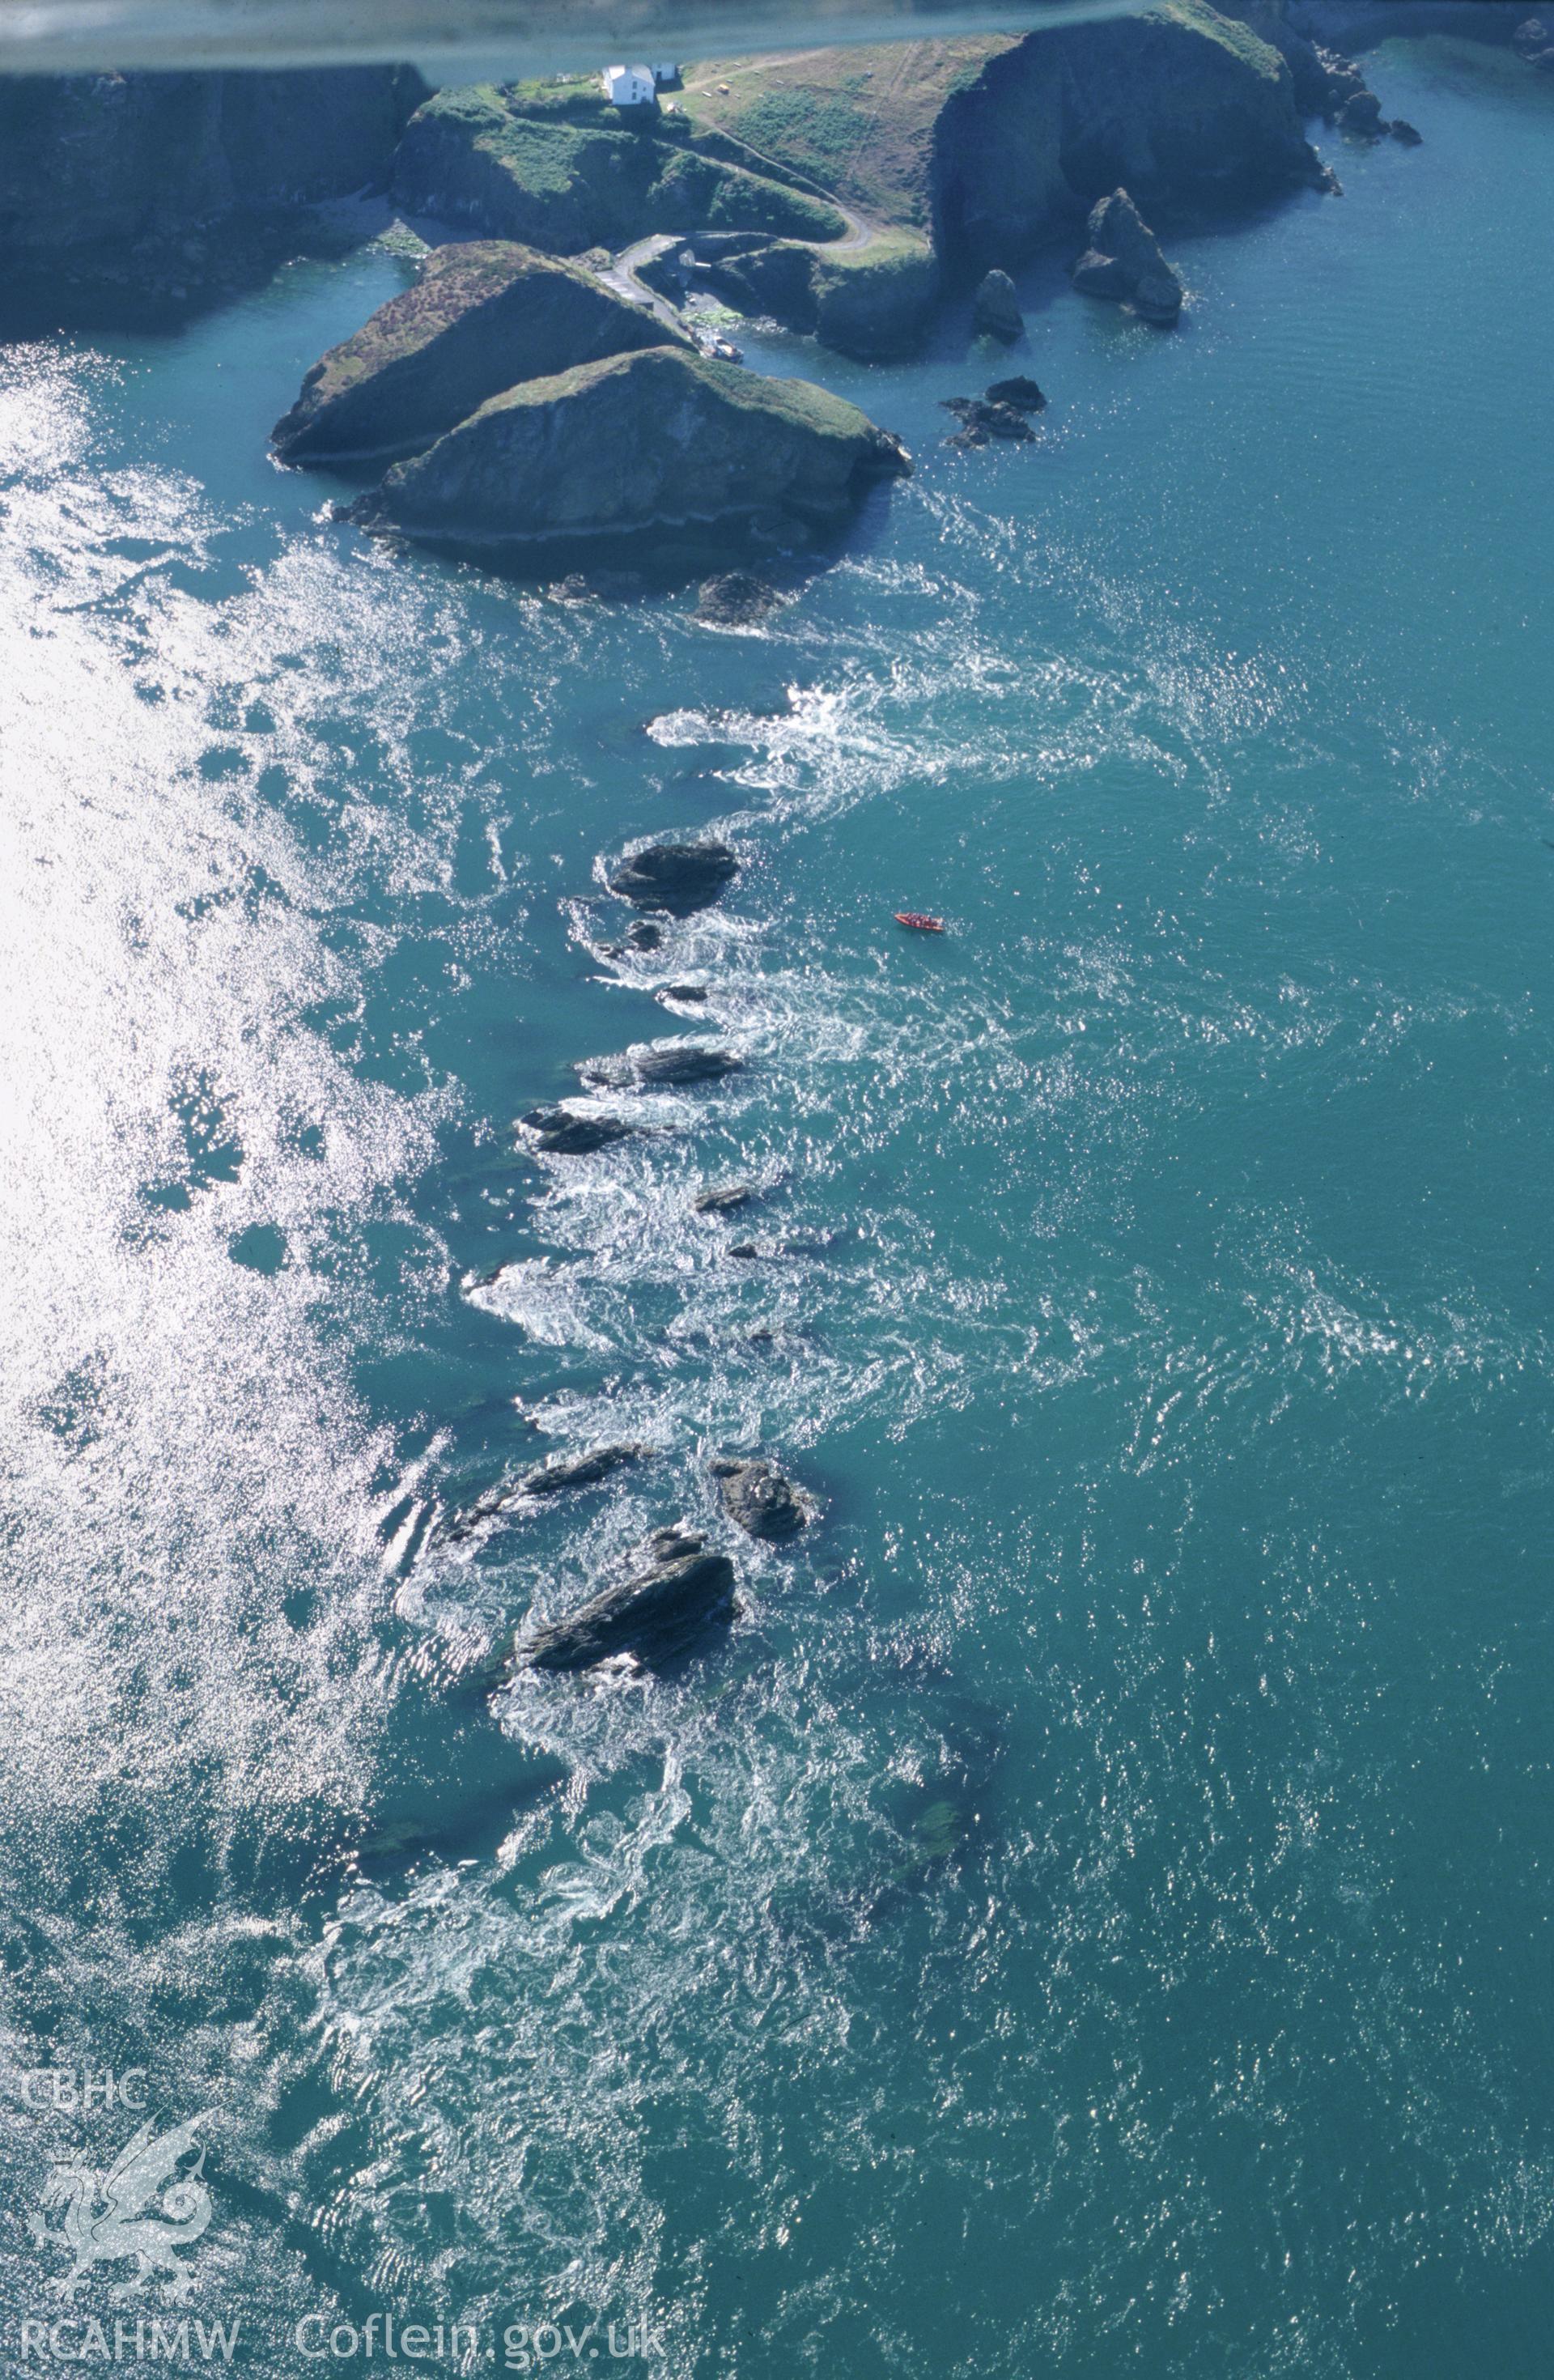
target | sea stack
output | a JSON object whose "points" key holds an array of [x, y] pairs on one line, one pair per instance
{"points": [[995, 309], [1123, 262]]}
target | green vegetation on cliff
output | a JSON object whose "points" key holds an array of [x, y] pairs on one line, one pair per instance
{"points": [[872, 300], [559, 172], [993, 145], [634, 447], [483, 314]]}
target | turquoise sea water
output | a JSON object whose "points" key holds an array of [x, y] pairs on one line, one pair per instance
{"points": [[1092, 1914]]}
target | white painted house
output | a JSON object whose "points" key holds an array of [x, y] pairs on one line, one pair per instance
{"points": [[630, 86], [665, 76]]}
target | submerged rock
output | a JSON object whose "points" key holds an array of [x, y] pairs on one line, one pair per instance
{"points": [[483, 314], [678, 876], [665, 449], [558, 1132], [736, 598], [1019, 391], [725, 1199], [759, 1500], [672, 1063], [1409, 134], [653, 1614], [1123, 262], [975, 413], [995, 309]]}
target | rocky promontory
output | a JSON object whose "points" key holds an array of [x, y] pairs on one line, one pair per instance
{"points": [[635, 449], [483, 314]]}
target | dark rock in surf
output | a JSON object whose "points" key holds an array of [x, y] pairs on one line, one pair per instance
{"points": [[692, 994], [992, 421], [746, 1250], [558, 1132], [725, 1199], [1410, 136], [736, 598], [759, 1500], [995, 309], [676, 877], [657, 1613], [674, 1064], [1123, 262], [1020, 391], [565, 1471]]}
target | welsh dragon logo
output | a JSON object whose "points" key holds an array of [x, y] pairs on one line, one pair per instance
{"points": [[142, 2208]]}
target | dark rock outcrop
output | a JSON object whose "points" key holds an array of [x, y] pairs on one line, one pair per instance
{"points": [[1408, 134], [758, 1499], [988, 420], [673, 1063], [559, 1132], [483, 314], [676, 877], [1123, 262], [725, 1199], [1361, 115], [654, 1614], [552, 1478], [691, 994], [1019, 391], [666, 450], [563, 1471], [736, 598], [995, 309]]}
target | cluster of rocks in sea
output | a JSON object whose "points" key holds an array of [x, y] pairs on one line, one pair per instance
{"points": [[677, 1587], [999, 412]]}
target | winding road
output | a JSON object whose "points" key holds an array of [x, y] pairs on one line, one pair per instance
{"points": [[623, 275]]}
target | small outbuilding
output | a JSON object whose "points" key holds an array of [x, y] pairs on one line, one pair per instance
{"points": [[630, 86], [665, 76]]}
